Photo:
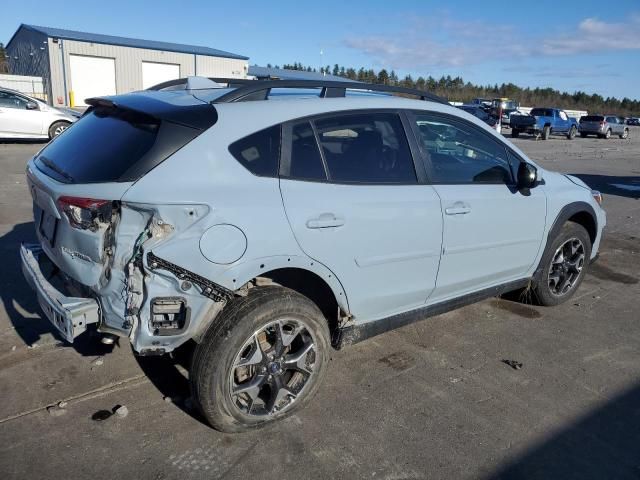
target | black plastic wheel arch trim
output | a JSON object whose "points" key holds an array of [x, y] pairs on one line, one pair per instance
{"points": [[565, 214]]}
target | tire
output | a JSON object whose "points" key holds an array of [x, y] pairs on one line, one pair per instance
{"points": [[561, 263], [515, 132], [57, 128], [230, 349], [572, 133], [608, 134], [583, 135], [546, 132], [625, 134]]}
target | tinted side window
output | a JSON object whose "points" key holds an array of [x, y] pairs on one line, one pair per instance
{"points": [[306, 162], [9, 100], [366, 148], [458, 152], [259, 152]]}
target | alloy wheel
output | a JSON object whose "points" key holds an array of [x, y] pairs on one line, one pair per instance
{"points": [[273, 368], [566, 266], [59, 129]]}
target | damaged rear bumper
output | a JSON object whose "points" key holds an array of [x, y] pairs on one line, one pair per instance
{"points": [[70, 315]]}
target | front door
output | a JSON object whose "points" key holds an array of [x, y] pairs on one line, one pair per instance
{"points": [[356, 206], [16, 119], [492, 232]]}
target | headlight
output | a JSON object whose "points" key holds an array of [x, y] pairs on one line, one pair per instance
{"points": [[597, 196]]}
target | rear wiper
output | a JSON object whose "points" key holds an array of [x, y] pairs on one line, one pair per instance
{"points": [[55, 168]]}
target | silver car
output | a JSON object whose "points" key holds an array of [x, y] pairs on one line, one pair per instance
{"points": [[603, 126], [26, 117]]}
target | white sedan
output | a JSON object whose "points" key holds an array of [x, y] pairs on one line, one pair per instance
{"points": [[25, 117]]}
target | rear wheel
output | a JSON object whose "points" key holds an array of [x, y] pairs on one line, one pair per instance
{"points": [[572, 133], [546, 132], [515, 132], [57, 128], [565, 262], [261, 360], [608, 134]]}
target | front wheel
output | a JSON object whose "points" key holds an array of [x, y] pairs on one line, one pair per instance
{"points": [[572, 133], [57, 128], [565, 262], [262, 359], [625, 134], [546, 132], [515, 132], [583, 135]]}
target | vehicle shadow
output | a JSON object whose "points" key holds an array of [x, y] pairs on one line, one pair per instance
{"points": [[603, 444], [20, 300], [168, 373], [628, 187], [23, 141]]}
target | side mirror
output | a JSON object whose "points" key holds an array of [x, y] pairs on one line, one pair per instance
{"points": [[32, 106], [527, 176]]}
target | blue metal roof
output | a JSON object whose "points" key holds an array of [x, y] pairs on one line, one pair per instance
{"points": [[129, 42], [285, 74]]}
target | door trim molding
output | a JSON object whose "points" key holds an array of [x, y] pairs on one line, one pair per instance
{"points": [[357, 333]]}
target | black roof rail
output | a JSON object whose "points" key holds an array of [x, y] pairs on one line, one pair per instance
{"points": [[259, 90], [246, 89]]}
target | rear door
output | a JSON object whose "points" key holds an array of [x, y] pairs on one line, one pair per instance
{"points": [[492, 232], [357, 205], [562, 121], [15, 119]]}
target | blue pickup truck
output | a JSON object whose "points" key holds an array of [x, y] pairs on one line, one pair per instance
{"points": [[544, 122]]}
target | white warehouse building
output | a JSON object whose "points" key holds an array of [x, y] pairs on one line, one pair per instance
{"points": [[78, 65]]}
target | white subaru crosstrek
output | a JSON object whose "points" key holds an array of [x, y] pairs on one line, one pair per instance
{"points": [[270, 221]]}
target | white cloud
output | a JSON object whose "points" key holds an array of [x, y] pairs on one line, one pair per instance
{"points": [[454, 43]]}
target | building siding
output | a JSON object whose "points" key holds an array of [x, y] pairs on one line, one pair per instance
{"points": [[28, 55], [128, 65]]}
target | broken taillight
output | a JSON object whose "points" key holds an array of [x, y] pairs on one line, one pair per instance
{"points": [[83, 212]]}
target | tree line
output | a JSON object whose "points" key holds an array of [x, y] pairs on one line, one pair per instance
{"points": [[456, 89]]}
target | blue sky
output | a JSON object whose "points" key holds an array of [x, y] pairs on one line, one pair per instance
{"points": [[565, 45]]}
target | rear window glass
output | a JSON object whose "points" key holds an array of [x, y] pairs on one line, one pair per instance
{"points": [[542, 112], [306, 162], [366, 148], [592, 118], [100, 147], [259, 152]]}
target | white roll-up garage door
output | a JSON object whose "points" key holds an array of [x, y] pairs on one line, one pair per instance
{"points": [[154, 73], [92, 77]]}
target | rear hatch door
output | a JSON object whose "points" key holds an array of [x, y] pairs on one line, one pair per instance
{"points": [[77, 180]]}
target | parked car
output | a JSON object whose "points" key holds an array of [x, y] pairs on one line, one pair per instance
{"points": [[544, 122], [269, 231], [22, 116], [603, 126], [481, 112], [633, 121]]}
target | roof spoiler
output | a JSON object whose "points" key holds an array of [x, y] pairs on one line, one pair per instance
{"points": [[201, 115]]}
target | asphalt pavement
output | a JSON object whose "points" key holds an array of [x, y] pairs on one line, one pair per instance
{"points": [[430, 400]]}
